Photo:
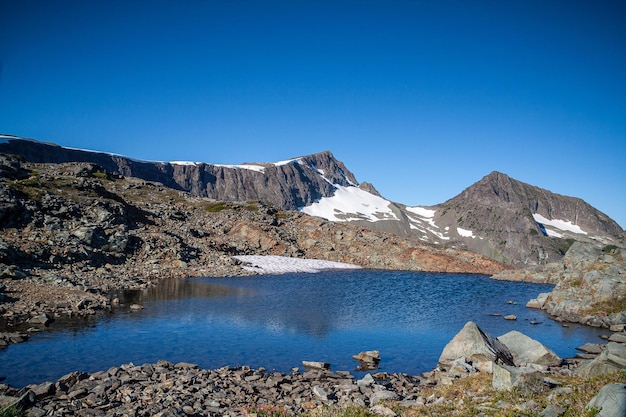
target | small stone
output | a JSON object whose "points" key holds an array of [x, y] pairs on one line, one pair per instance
{"points": [[320, 393], [315, 365], [510, 317]]}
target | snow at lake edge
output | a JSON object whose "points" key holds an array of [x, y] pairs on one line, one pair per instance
{"points": [[272, 264]]}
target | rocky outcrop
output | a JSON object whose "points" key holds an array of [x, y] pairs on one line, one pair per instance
{"points": [[590, 285]]}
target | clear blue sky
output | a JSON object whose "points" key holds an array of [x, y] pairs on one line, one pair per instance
{"points": [[421, 98]]}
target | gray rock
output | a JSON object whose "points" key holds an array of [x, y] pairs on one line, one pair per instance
{"points": [[382, 395], [618, 337], [381, 410], [593, 348], [43, 318], [610, 400], [552, 411], [613, 358], [320, 393], [473, 344], [526, 350], [507, 377], [368, 360], [315, 365]]}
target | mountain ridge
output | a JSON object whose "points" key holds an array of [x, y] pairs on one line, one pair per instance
{"points": [[500, 217]]}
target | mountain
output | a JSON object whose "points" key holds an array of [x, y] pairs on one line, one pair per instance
{"points": [[500, 217], [289, 184]]}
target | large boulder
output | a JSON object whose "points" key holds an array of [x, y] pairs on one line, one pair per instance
{"points": [[610, 400], [527, 350], [612, 358], [473, 344], [507, 377]]}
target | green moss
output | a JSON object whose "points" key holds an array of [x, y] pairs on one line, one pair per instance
{"points": [[252, 206], [30, 186], [218, 206]]}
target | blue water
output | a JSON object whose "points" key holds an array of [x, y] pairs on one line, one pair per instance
{"points": [[277, 321]]}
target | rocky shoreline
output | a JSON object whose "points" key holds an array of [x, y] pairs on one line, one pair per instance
{"points": [[512, 361], [590, 286]]}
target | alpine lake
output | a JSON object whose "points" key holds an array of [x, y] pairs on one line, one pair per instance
{"points": [[277, 321]]}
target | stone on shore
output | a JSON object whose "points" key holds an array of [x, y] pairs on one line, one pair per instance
{"points": [[473, 344], [612, 358], [618, 337], [526, 350], [368, 360], [315, 365]]}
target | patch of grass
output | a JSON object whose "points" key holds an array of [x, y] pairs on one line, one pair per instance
{"points": [[609, 248], [474, 395], [30, 186], [12, 411], [217, 206], [252, 206], [612, 305], [101, 175], [267, 411], [336, 411]]}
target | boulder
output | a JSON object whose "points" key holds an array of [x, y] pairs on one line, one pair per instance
{"points": [[315, 365], [43, 318], [506, 377], [473, 344], [610, 400], [526, 350], [538, 302], [618, 337], [368, 360], [612, 358]]}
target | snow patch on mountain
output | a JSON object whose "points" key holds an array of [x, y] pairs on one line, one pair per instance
{"points": [[464, 232], [563, 225], [422, 219], [351, 203], [251, 167], [282, 264]]}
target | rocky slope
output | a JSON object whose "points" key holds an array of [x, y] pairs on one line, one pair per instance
{"points": [[502, 218], [71, 234], [590, 285]]}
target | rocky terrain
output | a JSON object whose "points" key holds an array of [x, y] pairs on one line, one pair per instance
{"points": [[502, 218], [71, 234], [590, 285]]}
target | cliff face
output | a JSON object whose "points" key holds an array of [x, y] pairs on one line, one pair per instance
{"points": [[290, 184]]}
